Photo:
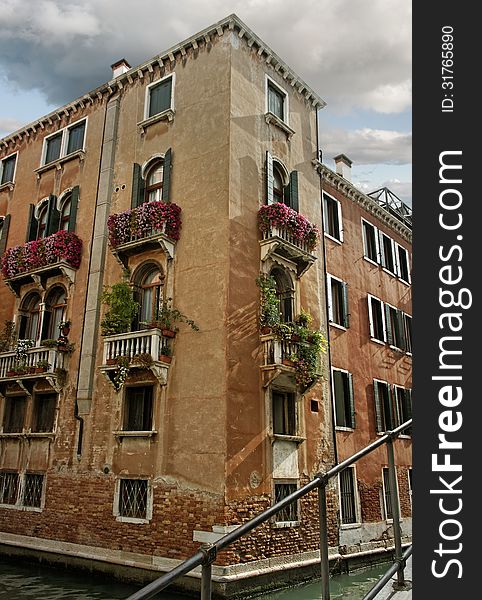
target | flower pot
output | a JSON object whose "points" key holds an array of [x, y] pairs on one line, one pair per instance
{"points": [[168, 333], [110, 361], [65, 331], [11, 373], [287, 362], [165, 359], [266, 329], [295, 337]]}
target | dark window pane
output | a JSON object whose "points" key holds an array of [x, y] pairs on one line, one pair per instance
{"points": [[32, 493], [347, 496], [53, 148], [8, 168], [9, 488], [160, 97], [388, 496], [284, 416], [138, 409], [76, 137], [14, 416], [370, 242], [341, 386], [133, 498], [276, 101], [44, 413]]}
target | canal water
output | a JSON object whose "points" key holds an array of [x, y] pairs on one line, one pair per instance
{"points": [[20, 580]]}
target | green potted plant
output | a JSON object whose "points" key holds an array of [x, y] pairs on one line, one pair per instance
{"points": [[42, 366], [121, 308], [168, 316], [142, 360], [49, 343], [7, 336], [165, 354], [269, 315]]}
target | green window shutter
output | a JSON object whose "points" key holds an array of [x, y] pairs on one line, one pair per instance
{"points": [[390, 416], [378, 407], [32, 225], [3, 239], [269, 178], [346, 314], [381, 248], [166, 183], [388, 324], [401, 330], [137, 186], [293, 192], [351, 400], [53, 216], [74, 203]]}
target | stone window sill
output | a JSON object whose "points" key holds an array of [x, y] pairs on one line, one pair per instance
{"points": [[274, 120], [57, 164], [165, 115], [8, 185], [143, 434]]}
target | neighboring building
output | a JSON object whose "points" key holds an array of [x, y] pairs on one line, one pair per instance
{"points": [[119, 443], [368, 246]]}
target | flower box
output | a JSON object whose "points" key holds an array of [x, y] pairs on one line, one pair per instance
{"points": [[165, 359], [169, 333], [279, 217], [287, 362]]}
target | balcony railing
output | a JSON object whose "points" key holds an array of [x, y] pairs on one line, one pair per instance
{"points": [[278, 352], [9, 368]]}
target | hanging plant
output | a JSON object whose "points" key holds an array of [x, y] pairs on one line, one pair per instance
{"points": [[121, 372], [269, 314]]}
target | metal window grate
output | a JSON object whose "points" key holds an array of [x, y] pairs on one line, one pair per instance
{"points": [[347, 495], [290, 512], [32, 491], [8, 488], [133, 498]]}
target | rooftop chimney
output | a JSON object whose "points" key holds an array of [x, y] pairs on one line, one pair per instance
{"points": [[120, 67], [343, 166]]}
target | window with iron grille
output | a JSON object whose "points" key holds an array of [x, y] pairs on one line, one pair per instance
{"points": [[43, 415], [284, 413], [348, 505], [32, 490], [138, 408], [133, 497], [288, 513], [9, 485], [14, 414]]}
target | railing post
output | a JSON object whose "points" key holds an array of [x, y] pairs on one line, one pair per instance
{"points": [[325, 568], [397, 537], [209, 552]]}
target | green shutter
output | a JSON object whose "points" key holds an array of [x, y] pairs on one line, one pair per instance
{"points": [[166, 183], [388, 325], [351, 400], [137, 186], [390, 417], [378, 407], [269, 178], [53, 216], [32, 227], [346, 314], [293, 185], [74, 203], [401, 330], [381, 247], [3, 239]]}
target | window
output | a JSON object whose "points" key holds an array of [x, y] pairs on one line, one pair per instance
{"points": [[387, 252], [348, 496], [370, 241], [138, 409], [154, 183], [159, 97], [133, 498], [64, 142], [284, 413], [408, 332], [277, 101], [332, 221], [395, 327], [55, 307], [288, 513], [7, 169], [148, 291], [285, 292], [403, 402], [14, 414], [43, 415], [376, 317], [343, 398], [388, 500], [42, 215], [403, 265], [384, 413], [337, 301], [29, 317], [9, 487], [32, 490], [281, 186]]}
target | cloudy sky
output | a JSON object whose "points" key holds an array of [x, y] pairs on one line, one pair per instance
{"points": [[355, 53]]}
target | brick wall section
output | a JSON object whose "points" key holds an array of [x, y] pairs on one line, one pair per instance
{"points": [[371, 497]]}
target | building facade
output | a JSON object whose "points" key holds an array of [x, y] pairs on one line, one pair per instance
{"points": [[149, 229]]}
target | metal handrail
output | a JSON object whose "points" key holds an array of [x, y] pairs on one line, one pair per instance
{"points": [[378, 587], [206, 555]]}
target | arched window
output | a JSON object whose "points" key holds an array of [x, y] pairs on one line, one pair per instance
{"points": [[279, 184], [285, 292], [154, 181], [29, 318], [65, 210], [55, 306], [148, 288], [42, 220]]}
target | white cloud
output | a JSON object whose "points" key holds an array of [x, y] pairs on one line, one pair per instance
{"points": [[9, 125]]}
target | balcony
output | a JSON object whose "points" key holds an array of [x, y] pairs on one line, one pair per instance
{"points": [[289, 235], [53, 370], [150, 225], [148, 348], [36, 261], [277, 363]]}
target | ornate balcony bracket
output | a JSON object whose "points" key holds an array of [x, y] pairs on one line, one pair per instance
{"points": [[40, 276], [274, 245], [122, 252], [159, 369], [21, 385], [54, 382]]}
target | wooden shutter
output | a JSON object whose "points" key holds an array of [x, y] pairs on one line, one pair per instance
{"points": [[401, 330], [378, 407], [346, 314], [381, 248], [53, 216], [137, 186], [329, 297], [340, 221], [388, 325], [351, 401], [293, 190], [32, 225], [74, 203], [166, 182], [269, 178], [390, 418], [3, 239], [370, 317]]}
